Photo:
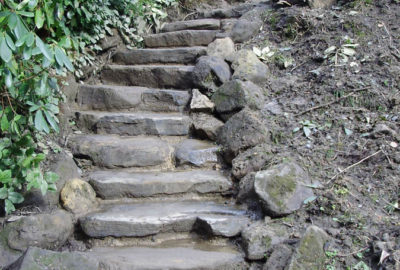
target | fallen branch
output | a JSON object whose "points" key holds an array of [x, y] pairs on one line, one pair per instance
{"points": [[353, 165], [335, 101]]}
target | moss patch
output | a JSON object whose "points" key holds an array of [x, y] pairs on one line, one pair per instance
{"points": [[280, 186]]}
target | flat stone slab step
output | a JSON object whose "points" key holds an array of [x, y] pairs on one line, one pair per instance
{"points": [[196, 152], [118, 184], [182, 55], [112, 98], [112, 151], [134, 258], [135, 123], [144, 219], [158, 76], [201, 24], [184, 38]]}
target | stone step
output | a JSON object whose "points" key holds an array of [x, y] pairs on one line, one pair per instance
{"points": [[112, 151], [182, 55], [184, 38], [118, 184], [208, 257], [134, 123], [202, 24], [113, 98], [158, 76], [145, 219], [196, 153]]}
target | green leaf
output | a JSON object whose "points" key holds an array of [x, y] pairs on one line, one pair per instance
{"points": [[52, 121], [26, 14], [3, 193], [5, 52], [10, 42], [51, 177], [58, 54], [39, 18], [30, 39], [27, 53], [32, 4], [43, 187], [40, 122], [15, 197], [8, 77], [5, 125], [5, 176], [307, 131], [44, 49], [9, 206]]}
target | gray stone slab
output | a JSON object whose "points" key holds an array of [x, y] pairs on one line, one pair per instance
{"points": [[117, 184], [226, 226], [113, 151], [196, 152], [184, 55], [143, 219], [158, 76], [181, 38], [133, 258], [201, 24], [133, 124], [112, 97]]}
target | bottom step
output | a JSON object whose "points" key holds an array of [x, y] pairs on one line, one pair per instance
{"points": [[143, 258]]}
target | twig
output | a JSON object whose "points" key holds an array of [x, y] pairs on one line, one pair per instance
{"points": [[353, 165], [335, 101], [355, 252], [296, 67]]}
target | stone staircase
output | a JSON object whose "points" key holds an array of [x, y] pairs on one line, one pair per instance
{"points": [[154, 179]]}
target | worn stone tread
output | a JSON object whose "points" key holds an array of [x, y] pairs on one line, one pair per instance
{"points": [[158, 76], [134, 123], [117, 98], [196, 152], [134, 258], [180, 55], [144, 219], [118, 184], [182, 38], [201, 24], [112, 151]]}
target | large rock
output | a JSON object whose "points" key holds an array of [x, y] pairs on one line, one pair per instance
{"points": [[206, 126], [279, 258], [252, 160], [211, 72], [242, 131], [7, 255], [78, 197], [246, 189], [248, 25], [49, 231], [63, 165], [225, 226], [180, 38], [234, 95], [221, 47], [200, 102], [248, 67], [261, 237], [283, 188], [310, 254]]}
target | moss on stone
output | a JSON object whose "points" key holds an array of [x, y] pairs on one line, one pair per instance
{"points": [[280, 186]]}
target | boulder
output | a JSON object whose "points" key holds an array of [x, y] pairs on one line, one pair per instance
{"points": [[247, 67], [63, 165], [221, 47], [310, 254], [321, 3], [206, 126], [78, 197], [260, 237], [49, 231], [248, 25], [251, 160], [279, 258], [283, 188], [234, 95], [246, 189], [7, 255], [200, 102], [242, 131], [210, 72]]}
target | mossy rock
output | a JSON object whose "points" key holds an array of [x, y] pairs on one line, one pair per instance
{"points": [[283, 188]]}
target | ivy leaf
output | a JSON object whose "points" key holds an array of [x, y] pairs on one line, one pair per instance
{"points": [[44, 48], [40, 122], [5, 51], [9, 206], [15, 197], [39, 18]]}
